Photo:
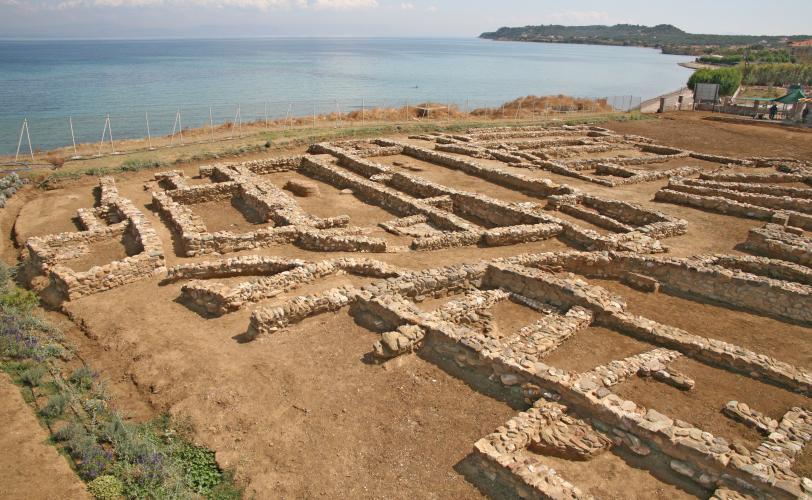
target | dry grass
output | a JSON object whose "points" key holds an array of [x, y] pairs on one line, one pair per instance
{"points": [[255, 139], [529, 107]]}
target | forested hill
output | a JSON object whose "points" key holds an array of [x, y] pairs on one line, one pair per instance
{"points": [[664, 36]]}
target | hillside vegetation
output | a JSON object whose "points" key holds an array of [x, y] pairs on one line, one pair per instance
{"points": [[767, 75], [663, 36]]}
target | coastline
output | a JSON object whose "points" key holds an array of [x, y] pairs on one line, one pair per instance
{"points": [[687, 64], [81, 107], [696, 65]]}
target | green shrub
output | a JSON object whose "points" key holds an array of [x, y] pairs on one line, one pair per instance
{"points": [[19, 298], [82, 378], [779, 75], [67, 433], [106, 488], [134, 164], [78, 441], [98, 171], [227, 489], [200, 468], [131, 441], [721, 60], [6, 273], [32, 376], [729, 79], [24, 335], [55, 406]]}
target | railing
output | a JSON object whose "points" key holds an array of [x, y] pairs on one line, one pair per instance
{"points": [[82, 135]]}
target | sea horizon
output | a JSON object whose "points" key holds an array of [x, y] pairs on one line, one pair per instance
{"points": [[50, 82]]}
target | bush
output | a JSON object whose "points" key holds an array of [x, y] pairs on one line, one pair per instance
{"points": [[98, 171], [94, 462], [226, 490], [82, 378], [202, 472], [729, 79], [32, 376], [68, 432], [20, 299], [721, 60], [106, 488], [55, 406], [780, 75], [134, 165]]}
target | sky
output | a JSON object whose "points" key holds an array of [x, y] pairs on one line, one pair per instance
{"points": [[380, 18]]}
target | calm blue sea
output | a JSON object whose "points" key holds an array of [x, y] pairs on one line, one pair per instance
{"points": [[48, 81]]}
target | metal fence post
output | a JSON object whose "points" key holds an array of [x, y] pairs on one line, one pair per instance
{"points": [[149, 134], [72, 136]]}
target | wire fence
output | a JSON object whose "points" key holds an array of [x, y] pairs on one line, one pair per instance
{"points": [[125, 129]]}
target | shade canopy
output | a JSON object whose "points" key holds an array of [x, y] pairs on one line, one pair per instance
{"points": [[792, 97]]}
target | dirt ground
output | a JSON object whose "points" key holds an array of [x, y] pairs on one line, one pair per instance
{"points": [[29, 466], [691, 130], [783, 341], [302, 413]]}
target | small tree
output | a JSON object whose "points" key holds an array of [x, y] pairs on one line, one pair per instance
{"points": [[729, 79]]}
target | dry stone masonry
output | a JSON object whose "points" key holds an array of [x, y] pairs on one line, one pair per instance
{"points": [[115, 218], [568, 415]]}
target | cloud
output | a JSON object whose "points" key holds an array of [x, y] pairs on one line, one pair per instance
{"points": [[345, 4], [577, 16], [407, 6], [432, 8], [245, 4]]}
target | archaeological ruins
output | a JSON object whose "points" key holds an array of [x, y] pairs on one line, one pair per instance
{"points": [[514, 260]]}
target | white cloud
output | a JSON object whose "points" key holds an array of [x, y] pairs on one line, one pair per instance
{"points": [[245, 4], [432, 8], [407, 6], [577, 16], [345, 4]]}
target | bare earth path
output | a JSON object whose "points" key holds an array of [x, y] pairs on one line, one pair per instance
{"points": [[29, 466]]}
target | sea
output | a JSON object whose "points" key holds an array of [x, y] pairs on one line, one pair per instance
{"points": [[59, 84]]}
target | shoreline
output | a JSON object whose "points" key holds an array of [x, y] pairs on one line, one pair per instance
{"points": [[697, 65], [426, 113]]}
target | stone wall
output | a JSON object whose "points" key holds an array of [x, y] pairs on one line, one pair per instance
{"points": [[688, 451], [293, 225], [536, 186], [47, 254], [376, 194], [780, 242], [259, 167], [706, 188], [724, 205], [761, 266], [275, 276], [694, 277]]}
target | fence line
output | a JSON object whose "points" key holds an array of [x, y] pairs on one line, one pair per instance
{"points": [[51, 133]]}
